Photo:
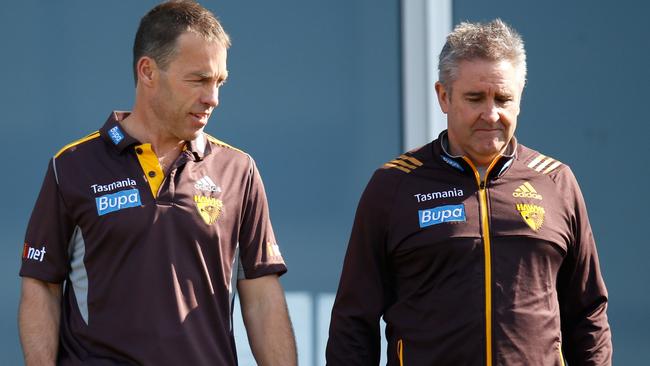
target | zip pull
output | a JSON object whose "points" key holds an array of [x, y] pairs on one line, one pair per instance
{"points": [[400, 352], [482, 185]]}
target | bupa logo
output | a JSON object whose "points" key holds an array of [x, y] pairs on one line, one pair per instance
{"points": [[116, 135], [438, 215], [33, 253], [117, 201]]}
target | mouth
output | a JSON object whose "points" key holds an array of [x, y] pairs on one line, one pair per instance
{"points": [[488, 130], [201, 117]]}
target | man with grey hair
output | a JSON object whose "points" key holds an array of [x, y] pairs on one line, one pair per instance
{"points": [[145, 230], [475, 249]]}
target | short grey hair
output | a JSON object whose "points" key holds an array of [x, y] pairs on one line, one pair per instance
{"points": [[493, 41]]}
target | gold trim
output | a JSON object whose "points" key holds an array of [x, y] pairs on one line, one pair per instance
{"points": [[536, 161], [543, 165], [487, 255], [77, 142], [400, 352], [403, 163], [411, 159], [530, 187], [221, 143], [149, 163], [390, 165], [552, 167]]}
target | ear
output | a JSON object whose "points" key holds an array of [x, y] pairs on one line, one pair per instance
{"points": [[147, 70], [443, 97]]}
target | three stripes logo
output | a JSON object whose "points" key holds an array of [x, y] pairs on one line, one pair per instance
{"points": [[526, 190], [532, 214], [206, 184], [404, 163], [544, 164]]}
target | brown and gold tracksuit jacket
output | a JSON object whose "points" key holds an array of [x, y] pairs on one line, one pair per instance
{"points": [[499, 270]]}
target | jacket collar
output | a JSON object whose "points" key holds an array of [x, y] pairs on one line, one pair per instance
{"points": [[460, 163]]}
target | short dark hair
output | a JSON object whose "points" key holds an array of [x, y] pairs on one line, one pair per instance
{"points": [[160, 27]]}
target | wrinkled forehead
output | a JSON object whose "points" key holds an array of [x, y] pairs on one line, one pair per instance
{"points": [[198, 58], [498, 71]]}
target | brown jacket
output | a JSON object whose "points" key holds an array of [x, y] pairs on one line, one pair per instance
{"points": [[500, 271]]}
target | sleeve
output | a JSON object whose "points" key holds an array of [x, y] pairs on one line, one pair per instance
{"points": [[259, 251], [45, 251], [362, 295], [586, 334]]}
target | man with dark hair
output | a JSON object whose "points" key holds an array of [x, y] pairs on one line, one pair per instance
{"points": [[144, 230], [475, 249]]}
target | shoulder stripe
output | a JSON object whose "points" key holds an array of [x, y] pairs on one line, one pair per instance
{"points": [[221, 143], [75, 143], [391, 165], [536, 160], [544, 164], [552, 167], [411, 159], [403, 163]]}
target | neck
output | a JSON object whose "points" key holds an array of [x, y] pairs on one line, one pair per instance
{"points": [[145, 128]]}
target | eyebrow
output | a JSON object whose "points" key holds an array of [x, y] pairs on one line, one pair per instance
{"points": [[206, 75], [474, 94]]}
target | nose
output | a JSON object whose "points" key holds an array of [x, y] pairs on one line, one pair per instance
{"points": [[211, 96], [490, 113]]}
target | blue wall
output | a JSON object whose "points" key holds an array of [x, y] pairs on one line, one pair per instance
{"points": [[586, 104], [313, 95]]}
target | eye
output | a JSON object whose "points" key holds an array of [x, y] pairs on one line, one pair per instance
{"points": [[503, 100]]}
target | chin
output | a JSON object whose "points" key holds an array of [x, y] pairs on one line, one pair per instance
{"points": [[486, 151], [194, 134]]}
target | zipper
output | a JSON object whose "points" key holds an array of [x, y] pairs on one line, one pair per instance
{"points": [[400, 352], [487, 254], [559, 351]]}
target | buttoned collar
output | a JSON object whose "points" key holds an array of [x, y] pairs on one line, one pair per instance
{"points": [[114, 134]]}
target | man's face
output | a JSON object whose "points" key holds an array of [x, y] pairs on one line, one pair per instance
{"points": [[482, 108], [187, 92]]}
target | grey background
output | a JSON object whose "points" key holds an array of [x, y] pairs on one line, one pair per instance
{"points": [[314, 95]]}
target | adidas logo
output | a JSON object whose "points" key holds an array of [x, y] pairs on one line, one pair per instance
{"points": [[206, 184], [526, 190]]}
